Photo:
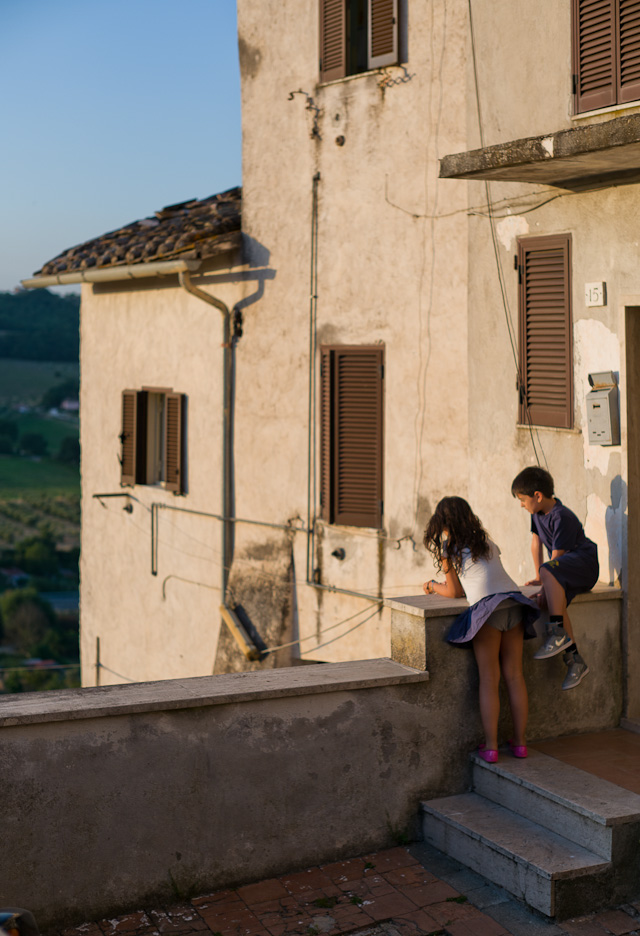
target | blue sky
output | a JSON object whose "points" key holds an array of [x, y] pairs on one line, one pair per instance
{"points": [[108, 112]]}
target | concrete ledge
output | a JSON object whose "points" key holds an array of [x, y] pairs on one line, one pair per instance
{"points": [[419, 624], [433, 606], [580, 158], [171, 694]]}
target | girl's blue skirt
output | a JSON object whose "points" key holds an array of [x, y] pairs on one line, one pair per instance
{"points": [[466, 625]]}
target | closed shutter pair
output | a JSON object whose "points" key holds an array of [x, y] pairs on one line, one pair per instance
{"points": [[382, 45], [133, 458], [351, 439], [544, 302], [606, 52]]}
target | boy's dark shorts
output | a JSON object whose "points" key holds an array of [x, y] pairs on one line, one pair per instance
{"points": [[575, 572]]}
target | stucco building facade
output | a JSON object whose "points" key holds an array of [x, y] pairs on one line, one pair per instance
{"points": [[356, 236]]}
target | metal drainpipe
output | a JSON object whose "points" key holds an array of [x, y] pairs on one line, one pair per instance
{"points": [[233, 623]]}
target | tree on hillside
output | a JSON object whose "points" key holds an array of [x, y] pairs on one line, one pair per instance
{"points": [[55, 395], [9, 428], [27, 619], [37, 554], [32, 443], [36, 325], [69, 452]]}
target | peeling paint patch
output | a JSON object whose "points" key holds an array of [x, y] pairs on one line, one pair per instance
{"points": [[547, 145], [510, 228], [596, 348]]}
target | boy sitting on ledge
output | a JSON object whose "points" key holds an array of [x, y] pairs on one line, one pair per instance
{"points": [[571, 569]]}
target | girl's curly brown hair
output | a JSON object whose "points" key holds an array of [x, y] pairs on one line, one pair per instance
{"points": [[464, 529]]}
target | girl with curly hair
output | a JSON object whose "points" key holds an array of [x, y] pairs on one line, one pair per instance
{"points": [[497, 621]]}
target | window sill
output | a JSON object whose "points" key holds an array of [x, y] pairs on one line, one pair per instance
{"points": [[613, 109], [574, 431], [375, 532], [365, 74]]}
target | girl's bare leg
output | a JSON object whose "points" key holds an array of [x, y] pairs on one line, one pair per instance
{"points": [[556, 598], [511, 662], [486, 647]]}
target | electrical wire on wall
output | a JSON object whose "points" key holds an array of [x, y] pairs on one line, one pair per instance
{"points": [[424, 361], [494, 240], [312, 452], [214, 555], [269, 650], [512, 201]]}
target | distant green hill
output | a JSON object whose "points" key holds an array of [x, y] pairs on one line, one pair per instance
{"points": [[36, 325]]}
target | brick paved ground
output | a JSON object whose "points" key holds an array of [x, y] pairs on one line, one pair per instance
{"points": [[398, 892]]}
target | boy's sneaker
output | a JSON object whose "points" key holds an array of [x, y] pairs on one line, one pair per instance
{"points": [[555, 642], [577, 669]]}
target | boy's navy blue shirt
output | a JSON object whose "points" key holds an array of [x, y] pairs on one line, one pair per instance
{"points": [[561, 529], [577, 569]]}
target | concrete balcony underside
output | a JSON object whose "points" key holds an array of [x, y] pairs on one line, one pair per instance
{"points": [[578, 159]]}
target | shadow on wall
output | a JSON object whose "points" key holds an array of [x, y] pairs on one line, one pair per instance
{"points": [[615, 517], [257, 256]]}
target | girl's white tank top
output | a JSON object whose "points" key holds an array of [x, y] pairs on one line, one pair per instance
{"points": [[484, 577]]}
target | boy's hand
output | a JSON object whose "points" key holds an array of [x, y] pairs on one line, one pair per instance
{"points": [[535, 581]]}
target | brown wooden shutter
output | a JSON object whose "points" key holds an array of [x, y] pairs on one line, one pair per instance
{"points": [[594, 53], [629, 51], [173, 442], [128, 438], [546, 396], [333, 46], [325, 433], [357, 436], [383, 33]]}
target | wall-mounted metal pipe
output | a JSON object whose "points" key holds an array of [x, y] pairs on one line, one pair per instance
{"points": [[235, 626]]}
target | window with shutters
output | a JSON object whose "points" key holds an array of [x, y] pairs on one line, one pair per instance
{"points": [[152, 438], [357, 36], [351, 446], [606, 53], [545, 380]]}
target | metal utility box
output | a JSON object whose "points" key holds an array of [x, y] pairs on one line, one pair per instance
{"points": [[603, 414]]}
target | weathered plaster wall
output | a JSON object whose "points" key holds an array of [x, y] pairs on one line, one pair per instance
{"points": [[524, 83], [400, 262], [391, 269], [592, 480], [133, 338], [523, 54]]}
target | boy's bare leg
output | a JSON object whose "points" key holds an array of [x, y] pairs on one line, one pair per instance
{"points": [[556, 598]]}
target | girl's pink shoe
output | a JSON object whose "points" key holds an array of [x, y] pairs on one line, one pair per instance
{"points": [[487, 754], [518, 750]]}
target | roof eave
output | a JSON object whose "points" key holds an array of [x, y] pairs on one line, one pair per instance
{"points": [[131, 271]]}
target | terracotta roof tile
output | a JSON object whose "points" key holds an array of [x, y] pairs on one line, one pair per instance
{"points": [[189, 230]]}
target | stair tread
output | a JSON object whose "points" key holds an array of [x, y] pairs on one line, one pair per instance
{"points": [[552, 856], [600, 800]]}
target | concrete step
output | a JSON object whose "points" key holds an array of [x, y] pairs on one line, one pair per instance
{"points": [[594, 813], [550, 873]]}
